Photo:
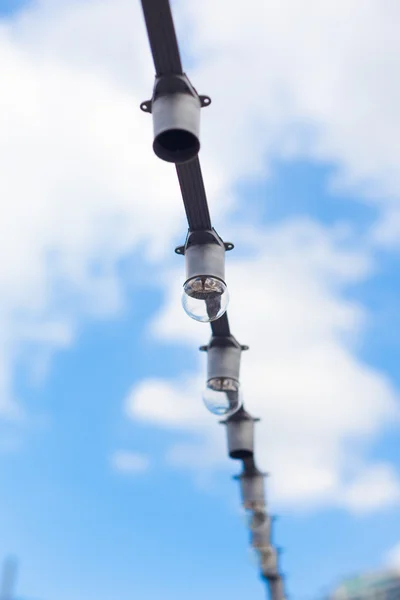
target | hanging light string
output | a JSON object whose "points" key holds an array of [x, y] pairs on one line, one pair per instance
{"points": [[175, 107]]}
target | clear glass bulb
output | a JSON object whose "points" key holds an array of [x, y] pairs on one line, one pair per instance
{"points": [[222, 396], [205, 299]]}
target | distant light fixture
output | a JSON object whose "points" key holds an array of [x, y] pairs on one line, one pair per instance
{"points": [[205, 295], [269, 562], [240, 434], [252, 487], [260, 528], [222, 393]]}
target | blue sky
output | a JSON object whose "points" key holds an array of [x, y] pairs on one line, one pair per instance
{"points": [[114, 482]]}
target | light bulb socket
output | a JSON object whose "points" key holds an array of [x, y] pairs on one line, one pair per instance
{"points": [[240, 434], [204, 253], [269, 563], [252, 490], [223, 362], [175, 107], [261, 532], [223, 358]]}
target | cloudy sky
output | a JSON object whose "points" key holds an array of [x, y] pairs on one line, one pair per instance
{"points": [[114, 480]]}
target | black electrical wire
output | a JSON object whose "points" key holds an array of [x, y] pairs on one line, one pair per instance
{"points": [[220, 327], [162, 37], [194, 195]]}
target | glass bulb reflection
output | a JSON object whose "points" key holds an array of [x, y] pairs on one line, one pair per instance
{"points": [[222, 396], [226, 384], [205, 299]]}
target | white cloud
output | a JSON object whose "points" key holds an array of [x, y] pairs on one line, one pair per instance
{"points": [[393, 557], [315, 79], [76, 188], [156, 402], [378, 485], [174, 406], [129, 462]]}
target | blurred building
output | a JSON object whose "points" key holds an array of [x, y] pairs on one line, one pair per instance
{"points": [[381, 585]]}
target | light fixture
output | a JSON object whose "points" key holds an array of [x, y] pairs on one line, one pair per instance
{"points": [[222, 393], [252, 487], [269, 562], [260, 527], [175, 107], [240, 434], [205, 296], [257, 521]]}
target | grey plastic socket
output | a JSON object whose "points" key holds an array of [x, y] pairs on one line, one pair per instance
{"points": [[269, 562], [261, 536], [223, 361], [176, 124], [175, 107], [252, 489], [205, 259], [240, 435]]}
